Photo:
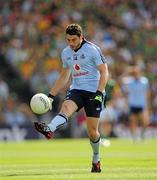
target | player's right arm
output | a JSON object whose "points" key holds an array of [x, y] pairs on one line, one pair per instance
{"points": [[61, 81]]}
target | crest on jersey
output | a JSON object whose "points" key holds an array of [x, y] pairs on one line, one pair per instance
{"points": [[82, 56]]}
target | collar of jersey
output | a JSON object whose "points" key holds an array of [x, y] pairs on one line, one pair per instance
{"points": [[83, 42]]}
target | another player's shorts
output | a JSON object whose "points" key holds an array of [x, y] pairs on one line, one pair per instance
{"points": [[83, 99], [136, 110]]}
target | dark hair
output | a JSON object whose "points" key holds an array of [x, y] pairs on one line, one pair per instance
{"points": [[74, 29]]}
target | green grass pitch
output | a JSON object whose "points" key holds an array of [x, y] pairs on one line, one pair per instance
{"points": [[66, 159]]}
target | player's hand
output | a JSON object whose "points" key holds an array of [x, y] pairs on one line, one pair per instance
{"points": [[51, 98], [98, 97]]}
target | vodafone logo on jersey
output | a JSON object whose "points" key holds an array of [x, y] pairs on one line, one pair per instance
{"points": [[77, 67], [78, 71]]}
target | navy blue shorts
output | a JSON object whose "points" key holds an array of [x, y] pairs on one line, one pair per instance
{"points": [[83, 100], [136, 110]]}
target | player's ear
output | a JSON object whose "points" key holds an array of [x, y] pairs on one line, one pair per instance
{"points": [[81, 36]]}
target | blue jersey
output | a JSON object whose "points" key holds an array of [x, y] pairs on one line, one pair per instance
{"points": [[137, 91], [83, 64]]}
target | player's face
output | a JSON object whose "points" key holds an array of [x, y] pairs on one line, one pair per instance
{"points": [[74, 41]]}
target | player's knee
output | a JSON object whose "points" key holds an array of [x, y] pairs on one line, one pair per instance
{"points": [[93, 134], [66, 109]]}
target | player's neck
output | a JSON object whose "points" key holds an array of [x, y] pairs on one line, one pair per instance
{"points": [[80, 45]]}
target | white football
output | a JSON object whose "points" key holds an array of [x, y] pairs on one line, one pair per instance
{"points": [[40, 103]]}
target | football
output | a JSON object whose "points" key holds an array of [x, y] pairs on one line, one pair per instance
{"points": [[40, 103]]}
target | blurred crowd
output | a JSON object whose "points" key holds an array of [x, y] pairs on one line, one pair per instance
{"points": [[32, 37]]}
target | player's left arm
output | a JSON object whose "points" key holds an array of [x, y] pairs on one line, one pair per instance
{"points": [[101, 63], [104, 75]]}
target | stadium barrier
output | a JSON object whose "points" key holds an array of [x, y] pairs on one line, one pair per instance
{"points": [[26, 132]]}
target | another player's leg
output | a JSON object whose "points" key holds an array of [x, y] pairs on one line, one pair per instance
{"points": [[133, 123], [144, 117], [67, 109], [94, 136]]}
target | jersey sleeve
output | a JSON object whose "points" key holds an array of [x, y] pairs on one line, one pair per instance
{"points": [[98, 56], [64, 63]]}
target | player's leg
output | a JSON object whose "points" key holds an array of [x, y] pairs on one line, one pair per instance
{"points": [[94, 136], [133, 124], [93, 110], [144, 122], [67, 109], [71, 103], [133, 121]]}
